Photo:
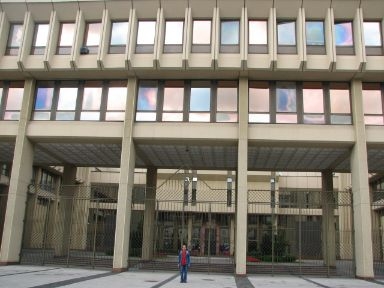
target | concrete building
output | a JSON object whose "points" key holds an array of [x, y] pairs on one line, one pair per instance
{"points": [[246, 122]]}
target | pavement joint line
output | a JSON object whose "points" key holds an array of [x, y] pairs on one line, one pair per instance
{"points": [[26, 272], [166, 281], [314, 282], [243, 282], [73, 281]]}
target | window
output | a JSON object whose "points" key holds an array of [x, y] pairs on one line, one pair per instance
{"points": [[201, 36], [146, 31], [286, 110], [40, 38], [340, 103], [313, 103], [315, 40], [15, 38], [12, 100], [119, 37], [67, 103], [200, 102], [372, 38], [286, 37], [116, 101], [344, 38], [259, 102], [230, 36], [373, 104], [67, 33], [173, 103], [173, 42], [257, 36], [226, 106], [147, 101], [91, 101], [92, 37], [43, 101]]}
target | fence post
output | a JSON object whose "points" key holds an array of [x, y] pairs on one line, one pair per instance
{"points": [[209, 237], [95, 233], [300, 240], [70, 230], [46, 228]]}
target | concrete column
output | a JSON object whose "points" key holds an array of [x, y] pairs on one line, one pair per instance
{"points": [[64, 211], [21, 175], [242, 184], [126, 181], [149, 214], [328, 220], [360, 189]]}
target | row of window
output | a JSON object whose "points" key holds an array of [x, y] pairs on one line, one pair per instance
{"points": [[201, 37], [194, 101]]}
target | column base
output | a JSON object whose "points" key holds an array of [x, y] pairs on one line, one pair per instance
{"points": [[119, 270], [365, 278], [6, 263]]}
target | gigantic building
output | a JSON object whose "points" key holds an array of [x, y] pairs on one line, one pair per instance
{"points": [[250, 130]]}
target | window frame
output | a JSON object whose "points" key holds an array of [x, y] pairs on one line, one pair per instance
{"points": [[39, 50], [345, 49], [118, 48], [202, 48], [374, 50], [13, 50], [145, 48], [257, 48], [229, 48], [313, 49], [6, 86], [374, 87], [67, 49], [173, 48], [286, 48], [92, 49]]}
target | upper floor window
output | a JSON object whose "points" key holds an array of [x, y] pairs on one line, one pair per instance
{"points": [[173, 102], [286, 107], [173, 39], [286, 37], [257, 36], [313, 103], [147, 101], [340, 103], [92, 37], [315, 40], [200, 102], [146, 31], [230, 36], [116, 101], [259, 102], [15, 38], [119, 37], [373, 38], [344, 38], [226, 102], [201, 36], [66, 38], [91, 101], [40, 39], [11, 99], [373, 104]]}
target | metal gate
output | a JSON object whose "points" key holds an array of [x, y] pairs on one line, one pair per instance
{"points": [[378, 232], [300, 233]]}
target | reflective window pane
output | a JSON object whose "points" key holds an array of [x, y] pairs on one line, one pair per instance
{"points": [[67, 34], [172, 117], [372, 102], [339, 101], [199, 117], [119, 34], [67, 98], [314, 32], [12, 115], [44, 98], [42, 115], [226, 99], [147, 98], [285, 99], [314, 119], [146, 32], [259, 118], [372, 34], [373, 120], [258, 99], [258, 32], [90, 116], [15, 35], [174, 32], [42, 31], [114, 116], [116, 98], [200, 99], [286, 118], [144, 116], [341, 119], [286, 33], [201, 33], [93, 34], [65, 116], [1, 96], [173, 99], [92, 98], [313, 101], [226, 117], [230, 33], [343, 34], [15, 98]]}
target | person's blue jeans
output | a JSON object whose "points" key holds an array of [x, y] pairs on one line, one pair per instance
{"points": [[183, 273]]}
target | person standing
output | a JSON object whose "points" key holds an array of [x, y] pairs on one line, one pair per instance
{"points": [[184, 263]]}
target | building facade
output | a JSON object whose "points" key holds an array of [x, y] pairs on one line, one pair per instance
{"points": [[255, 92]]}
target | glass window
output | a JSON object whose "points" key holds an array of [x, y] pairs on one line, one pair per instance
{"points": [[373, 106], [173, 41], [286, 37], [40, 39], [43, 103], [173, 103], [259, 102], [200, 103], [67, 103], [147, 103], [315, 40], [340, 104], [230, 36], [286, 103], [257, 36], [372, 38], [14, 102], [145, 36], [344, 38], [313, 103], [201, 36], [119, 37], [116, 102], [226, 101], [67, 33], [91, 102], [92, 37], [14, 39]]}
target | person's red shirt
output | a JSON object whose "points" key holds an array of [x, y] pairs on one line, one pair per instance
{"points": [[183, 257]]}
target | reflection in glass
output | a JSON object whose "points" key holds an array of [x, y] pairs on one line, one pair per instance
{"points": [[41, 38], [42, 115], [90, 116], [286, 100], [15, 35], [173, 99], [372, 102], [92, 98], [226, 117], [146, 32], [44, 98], [15, 98], [174, 32], [258, 99], [65, 116], [67, 99], [314, 119], [11, 115], [119, 33], [147, 98], [172, 117], [339, 101], [373, 120], [313, 101], [94, 34], [372, 34], [201, 32], [341, 119], [67, 32], [1, 96], [116, 98], [286, 33], [259, 118], [343, 34], [200, 99], [257, 32], [314, 32], [114, 116], [286, 118], [230, 32], [226, 99], [199, 117], [145, 116]]}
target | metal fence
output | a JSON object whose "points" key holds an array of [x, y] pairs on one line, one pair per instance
{"points": [[377, 212], [3, 207]]}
